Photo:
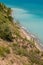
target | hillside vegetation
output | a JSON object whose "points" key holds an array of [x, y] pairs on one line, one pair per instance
{"points": [[15, 49]]}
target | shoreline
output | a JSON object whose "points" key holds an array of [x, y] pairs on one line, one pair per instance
{"points": [[30, 36]]}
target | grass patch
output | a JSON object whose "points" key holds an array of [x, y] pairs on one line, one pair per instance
{"points": [[32, 55], [4, 51]]}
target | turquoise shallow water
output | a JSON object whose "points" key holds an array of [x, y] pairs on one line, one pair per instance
{"points": [[31, 22], [29, 13]]}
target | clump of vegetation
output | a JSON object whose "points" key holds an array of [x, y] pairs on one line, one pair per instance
{"points": [[4, 51], [5, 22], [5, 33], [19, 50]]}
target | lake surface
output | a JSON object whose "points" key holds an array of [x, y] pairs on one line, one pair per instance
{"points": [[29, 13]]}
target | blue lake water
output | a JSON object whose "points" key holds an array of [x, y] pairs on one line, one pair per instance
{"points": [[29, 13]]}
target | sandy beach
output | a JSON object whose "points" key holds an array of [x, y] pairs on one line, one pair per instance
{"points": [[29, 36]]}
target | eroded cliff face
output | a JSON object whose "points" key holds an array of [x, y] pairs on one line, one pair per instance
{"points": [[15, 48]]}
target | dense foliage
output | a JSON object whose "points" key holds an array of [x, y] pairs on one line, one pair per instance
{"points": [[5, 21]]}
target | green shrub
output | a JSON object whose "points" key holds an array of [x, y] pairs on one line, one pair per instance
{"points": [[3, 51], [19, 50], [5, 32]]}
